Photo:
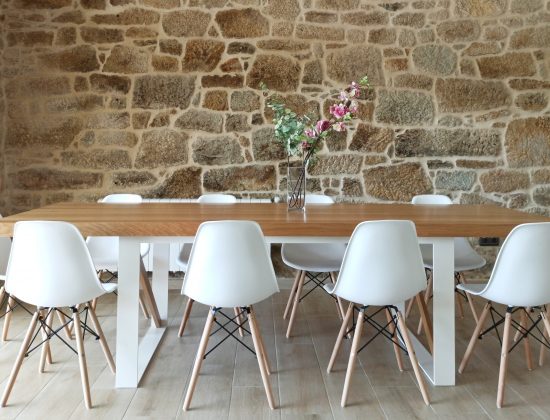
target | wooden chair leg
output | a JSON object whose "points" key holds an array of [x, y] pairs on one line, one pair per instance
{"points": [[474, 338], [352, 356], [256, 338], [82, 359], [412, 355], [544, 317], [469, 297], [339, 304], [185, 316], [45, 354], [427, 295], [297, 295], [143, 306], [239, 318], [66, 328], [198, 359], [340, 337], [266, 358], [426, 321], [19, 360], [102, 340], [292, 292], [396, 348], [7, 318], [504, 359], [526, 345], [408, 310], [2, 294], [148, 297]]}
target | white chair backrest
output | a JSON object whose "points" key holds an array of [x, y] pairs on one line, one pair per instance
{"points": [[217, 199], [521, 275], [122, 198], [5, 246], [382, 264], [229, 265], [104, 249], [431, 199], [50, 265], [318, 199]]}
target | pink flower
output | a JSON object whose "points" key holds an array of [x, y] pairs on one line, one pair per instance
{"points": [[305, 145], [339, 111], [339, 126], [354, 90], [321, 126], [310, 133]]}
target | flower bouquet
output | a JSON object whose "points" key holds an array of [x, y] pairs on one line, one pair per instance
{"points": [[301, 136]]}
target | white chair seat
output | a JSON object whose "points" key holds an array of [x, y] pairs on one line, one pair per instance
{"points": [[322, 258], [466, 258], [472, 288], [109, 287]]}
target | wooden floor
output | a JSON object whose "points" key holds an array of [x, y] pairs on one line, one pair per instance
{"points": [[230, 385]]}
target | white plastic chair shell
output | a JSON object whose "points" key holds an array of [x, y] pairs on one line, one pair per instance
{"points": [[183, 257], [50, 266], [5, 246], [382, 264], [229, 265], [465, 257], [520, 276]]}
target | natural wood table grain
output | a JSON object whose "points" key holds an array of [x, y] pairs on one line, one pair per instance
{"points": [[162, 223]]}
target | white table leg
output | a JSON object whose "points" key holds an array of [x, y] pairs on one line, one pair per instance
{"points": [[161, 257], [443, 312], [127, 314]]}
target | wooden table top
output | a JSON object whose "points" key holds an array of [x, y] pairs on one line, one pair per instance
{"points": [[183, 219]]}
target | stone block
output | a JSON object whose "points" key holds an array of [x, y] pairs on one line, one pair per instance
{"points": [[74, 103], [93, 4], [454, 31], [448, 142], [77, 59], [404, 108], [371, 139], [241, 178], [95, 35], [105, 83], [242, 23], [130, 16], [535, 101], [246, 101], [170, 46], [164, 63], [413, 81], [42, 4], [223, 150], [233, 65], [364, 19], [483, 48], [97, 159], [141, 32], [399, 182], [480, 8], [187, 23], [412, 19], [30, 39], [236, 122], [49, 179], [128, 60], [504, 181], [48, 132], [512, 64], [352, 63], [74, 16], [526, 84], [463, 95], [537, 37], [65, 36], [337, 4], [202, 55], [216, 100], [321, 17], [200, 120], [277, 72], [118, 120], [283, 9], [162, 148], [336, 165], [157, 91], [265, 145], [283, 45], [528, 142], [183, 183], [241, 48], [228, 81], [37, 86], [307, 31], [382, 36], [109, 138], [132, 179], [526, 6], [455, 180], [435, 59]]}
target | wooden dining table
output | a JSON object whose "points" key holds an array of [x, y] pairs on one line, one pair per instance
{"points": [[165, 223]]}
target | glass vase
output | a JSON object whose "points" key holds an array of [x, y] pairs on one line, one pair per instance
{"points": [[296, 185]]}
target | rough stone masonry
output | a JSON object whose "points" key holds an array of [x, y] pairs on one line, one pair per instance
{"points": [[161, 98]]}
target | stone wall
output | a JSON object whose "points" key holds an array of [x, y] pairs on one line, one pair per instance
{"points": [[160, 97]]}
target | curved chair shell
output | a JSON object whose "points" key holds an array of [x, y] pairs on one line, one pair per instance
{"points": [[213, 277]]}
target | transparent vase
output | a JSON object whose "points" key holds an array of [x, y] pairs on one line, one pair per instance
{"points": [[296, 185]]}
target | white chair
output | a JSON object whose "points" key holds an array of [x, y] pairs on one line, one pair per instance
{"points": [[50, 267], [316, 261], [183, 258], [382, 266], [104, 251], [5, 246], [519, 280], [222, 276], [465, 257]]}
